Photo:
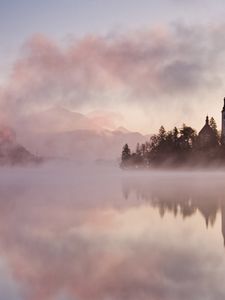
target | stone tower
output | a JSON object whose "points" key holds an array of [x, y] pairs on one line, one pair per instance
{"points": [[223, 123]]}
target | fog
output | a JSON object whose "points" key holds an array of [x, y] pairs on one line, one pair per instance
{"points": [[72, 231]]}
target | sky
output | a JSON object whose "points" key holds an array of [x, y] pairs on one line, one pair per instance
{"points": [[153, 62]]}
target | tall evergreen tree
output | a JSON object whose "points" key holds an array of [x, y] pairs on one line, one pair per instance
{"points": [[126, 153], [162, 133], [213, 125]]}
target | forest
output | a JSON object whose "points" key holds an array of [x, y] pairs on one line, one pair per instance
{"points": [[178, 148]]}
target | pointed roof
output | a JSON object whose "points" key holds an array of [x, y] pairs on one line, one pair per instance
{"points": [[207, 129]]}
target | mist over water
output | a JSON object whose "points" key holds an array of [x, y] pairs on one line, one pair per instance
{"points": [[70, 231]]}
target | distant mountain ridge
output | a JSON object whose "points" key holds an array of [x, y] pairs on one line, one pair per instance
{"points": [[61, 133], [59, 119], [82, 144]]}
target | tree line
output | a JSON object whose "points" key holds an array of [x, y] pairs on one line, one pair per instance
{"points": [[175, 148]]}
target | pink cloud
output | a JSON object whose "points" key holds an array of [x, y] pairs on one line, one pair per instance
{"points": [[144, 68]]}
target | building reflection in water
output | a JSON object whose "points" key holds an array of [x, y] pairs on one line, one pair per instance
{"points": [[223, 221], [184, 195], [79, 238]]}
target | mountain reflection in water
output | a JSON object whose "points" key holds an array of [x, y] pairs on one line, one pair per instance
{"points": [[77, 234]]}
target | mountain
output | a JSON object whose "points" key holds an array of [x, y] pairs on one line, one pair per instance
{"points": [[58, 132], [122, 129], [56, 119], [104, 119], [83, 144], [59, 119]]}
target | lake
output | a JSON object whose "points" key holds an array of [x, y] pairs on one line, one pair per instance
{"points": [[73, 232]]}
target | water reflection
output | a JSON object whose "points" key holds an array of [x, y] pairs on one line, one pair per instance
{"points": [[182, 193], [99, 236]]}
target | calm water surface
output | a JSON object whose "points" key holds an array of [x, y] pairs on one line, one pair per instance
{"points": [[97, 233]]}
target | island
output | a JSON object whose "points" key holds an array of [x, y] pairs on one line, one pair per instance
{"points": [[13, 153], [177, 148]]}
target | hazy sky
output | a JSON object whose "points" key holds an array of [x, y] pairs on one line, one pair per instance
{"points": [[152, 61]]}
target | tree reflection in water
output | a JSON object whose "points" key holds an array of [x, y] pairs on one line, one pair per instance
{"points": [[182, 194], [74, 236]]}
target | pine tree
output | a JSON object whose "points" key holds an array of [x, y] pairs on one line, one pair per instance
{"points": [[175, 133], [126, 153], [213, 125], [162, 133]]}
